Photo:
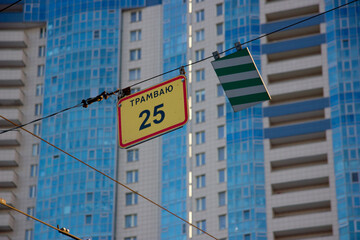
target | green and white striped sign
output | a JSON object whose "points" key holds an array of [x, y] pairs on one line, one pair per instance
{"points": [[241, 80]]}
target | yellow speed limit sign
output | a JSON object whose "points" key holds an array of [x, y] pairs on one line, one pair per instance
{"points": [[152, 112]]}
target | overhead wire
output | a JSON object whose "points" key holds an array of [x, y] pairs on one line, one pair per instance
{"points": [[127, 89], [63, 231], [1, 10], [84, 103], [111, 178]]}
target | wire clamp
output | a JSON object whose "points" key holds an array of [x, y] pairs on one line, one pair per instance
{"points": [[182, 70], [216, 55], [238, 46]]}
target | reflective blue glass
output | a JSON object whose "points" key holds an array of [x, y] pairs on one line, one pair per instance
{"points": [[343, 57], [173, 190], [245, 154]]}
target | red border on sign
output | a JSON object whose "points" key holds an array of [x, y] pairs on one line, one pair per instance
{"points": [[158, 132]]}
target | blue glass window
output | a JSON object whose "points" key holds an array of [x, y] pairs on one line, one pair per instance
{"points": [[200, 116], [222, 198], [130, 220], [219, 9], [201, 204], [202, 225], [200, 137], [222, 222], [200, 181], [132, 176], [200, 35], [131, 199], [200, 75], [200, 95], [200, 15], [200, 159], [133, 155]]}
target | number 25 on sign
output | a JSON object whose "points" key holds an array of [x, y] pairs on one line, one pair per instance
{"points": [[152, 112]]}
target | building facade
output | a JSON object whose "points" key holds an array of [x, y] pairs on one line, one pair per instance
{"points": [[286, 169]]}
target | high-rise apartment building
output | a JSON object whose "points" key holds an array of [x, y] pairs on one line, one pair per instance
{"points": [[22, 62], [284, 169]]}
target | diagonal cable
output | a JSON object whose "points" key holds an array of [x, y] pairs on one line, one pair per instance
{"points": [[111, 178], [187, 65], [62, 230], [1, 10]]}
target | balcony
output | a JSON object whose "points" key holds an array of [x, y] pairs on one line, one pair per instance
{"points": [[13, 39], [9, 158], [11, 97], [12, 58], [13, 114], [10, 139], [6, 222], [11, 77], [8, 179], [9, 198]]}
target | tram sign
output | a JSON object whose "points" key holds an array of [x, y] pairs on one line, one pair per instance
{"points": [[152, 112]]}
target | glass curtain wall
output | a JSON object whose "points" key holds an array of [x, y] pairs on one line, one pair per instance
{"points": [[343, 44], [245, 154], [173, 188]]}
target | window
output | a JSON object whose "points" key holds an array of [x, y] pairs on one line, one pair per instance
{"points": [[222, 198], [134, 74], [28, 234], [199, 54], [39, 91], [221, 153], [32, 191], [202, 225], [130, 220], [219, 29], [354, 177], [220, 110], [135, 54], [201, 204], [222, 175], [136, 16], [33, 170], [130, 238], [41, 52], [200, 181], [35, 149], [200, 116], [222, 222], [131, 199], [197, 1], [200, 75], [200, 137], [135, 35], [96, 34], [89, 197], [200, 35], [200, 95], [132, 176], [40, 70], [37, 128], [30, 211], [88, 219], [246, 215], [219, 9], [357, 225], [200, 159], [220, 47], [133, 155], [247, 236], [220, 90], [38, 109], [221, 132], [42, 33], [200, 15]]}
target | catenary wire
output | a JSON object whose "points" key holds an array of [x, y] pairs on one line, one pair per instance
{"points": [[112, 179], [241, 44], [187, 65], [10, 5], [39, 119], [62, 231]]}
